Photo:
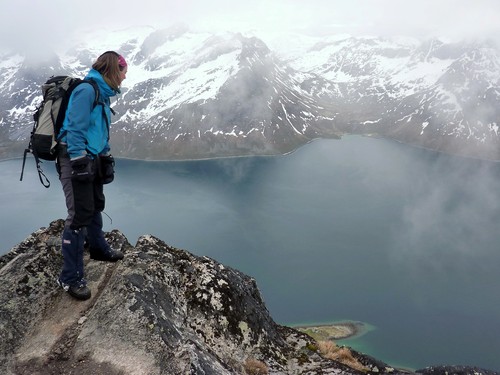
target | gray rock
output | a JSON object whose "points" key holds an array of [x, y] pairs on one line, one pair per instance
{"points": [[159, 311]]}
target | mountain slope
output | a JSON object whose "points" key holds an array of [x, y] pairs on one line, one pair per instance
{"points": [[228, 95], [436, 95], [199, 95]]}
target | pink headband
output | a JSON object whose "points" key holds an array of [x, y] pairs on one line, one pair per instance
{"points": [[121, 61]]}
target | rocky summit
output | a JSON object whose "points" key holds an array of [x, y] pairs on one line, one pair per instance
{"points": [[161, 310]]}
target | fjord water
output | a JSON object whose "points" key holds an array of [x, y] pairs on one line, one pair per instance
{"points": [[404, 239]]}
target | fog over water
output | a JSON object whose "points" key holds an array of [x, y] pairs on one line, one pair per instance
{"points": [[403, 239]]}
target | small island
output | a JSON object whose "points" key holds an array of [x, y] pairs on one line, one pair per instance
{"points": [[333, 331]]}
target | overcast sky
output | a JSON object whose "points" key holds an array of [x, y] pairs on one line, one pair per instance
{"points": [[31, 24]]}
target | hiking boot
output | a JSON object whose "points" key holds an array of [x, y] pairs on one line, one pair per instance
{"points": [[109, 255], [79, 291]]}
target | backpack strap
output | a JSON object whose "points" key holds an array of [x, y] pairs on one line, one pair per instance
{"points": [[105, 115], [96, 89]]}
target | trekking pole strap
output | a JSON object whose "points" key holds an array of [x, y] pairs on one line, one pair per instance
{"points": [[40, 175], [43, 179]]}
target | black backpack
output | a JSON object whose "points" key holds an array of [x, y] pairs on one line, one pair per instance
{"points": [[49, 118]]}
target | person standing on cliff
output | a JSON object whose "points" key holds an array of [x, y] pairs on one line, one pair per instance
{"points": [[84, 165]]}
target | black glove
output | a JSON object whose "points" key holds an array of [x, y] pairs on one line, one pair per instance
{"points": [[107, 168], [82, 169]]}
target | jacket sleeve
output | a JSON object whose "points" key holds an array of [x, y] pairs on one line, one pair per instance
{"points": [[78, 119]]}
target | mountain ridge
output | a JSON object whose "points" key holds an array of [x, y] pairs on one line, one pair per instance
{"points": [[192, 95]]}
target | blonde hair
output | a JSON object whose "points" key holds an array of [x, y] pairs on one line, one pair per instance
{"points": [[107, 64]]}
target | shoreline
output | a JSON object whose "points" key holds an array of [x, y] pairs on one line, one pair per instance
{"points": [[338, 136]]}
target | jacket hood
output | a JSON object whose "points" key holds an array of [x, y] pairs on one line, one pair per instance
{"points": [[105, 90]]}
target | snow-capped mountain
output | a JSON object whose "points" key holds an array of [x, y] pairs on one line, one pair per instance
{"points": [[437, 95], [199, 95]]}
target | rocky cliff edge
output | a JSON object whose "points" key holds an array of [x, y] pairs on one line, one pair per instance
{"points": [[159, 311]]}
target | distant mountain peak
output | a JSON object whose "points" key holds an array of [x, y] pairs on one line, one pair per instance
{"points": [[195, 94]]}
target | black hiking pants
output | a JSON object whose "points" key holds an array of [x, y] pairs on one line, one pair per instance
{"points": [[83, 199]]}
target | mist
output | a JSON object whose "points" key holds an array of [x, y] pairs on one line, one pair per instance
{"points": [[34, 27], [450, 201]]}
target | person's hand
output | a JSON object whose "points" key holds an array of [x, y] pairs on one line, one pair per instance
{"points": [[82, 169]]}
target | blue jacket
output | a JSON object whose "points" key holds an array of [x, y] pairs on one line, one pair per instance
{"points": [[85, 130]]}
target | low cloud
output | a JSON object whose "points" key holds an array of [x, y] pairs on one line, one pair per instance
{"points": [[450, 215], [29, 25]]}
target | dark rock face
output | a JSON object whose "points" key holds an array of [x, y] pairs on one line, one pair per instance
{"points": [[159, 311]]}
